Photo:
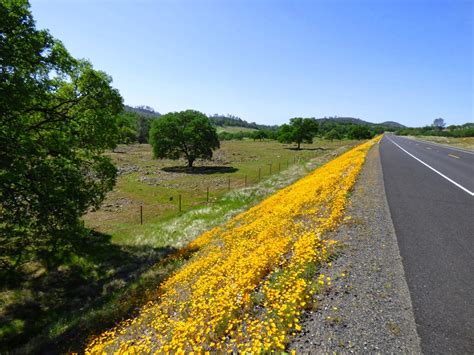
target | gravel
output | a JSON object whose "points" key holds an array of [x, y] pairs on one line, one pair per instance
{"points": [[367, 307]]}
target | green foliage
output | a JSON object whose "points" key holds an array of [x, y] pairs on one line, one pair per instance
{"points": [[187, 134], [439, 123], [359, 132], [455, 131], [333, 134], [260, 135], [128, 127], [300, 130], [234, 121], [57, 115]]}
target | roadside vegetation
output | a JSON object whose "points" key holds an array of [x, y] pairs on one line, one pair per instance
{"points": [[439, 129], [247, 281], [123, 260]]}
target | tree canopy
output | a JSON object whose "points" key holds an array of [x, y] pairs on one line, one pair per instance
{"points": [[333, 134], [57, 115], [187, 134], [300, 130], [359, 132], [439, 123]]}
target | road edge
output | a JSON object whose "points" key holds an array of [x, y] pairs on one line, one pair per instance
{"points": [[368, 306]]}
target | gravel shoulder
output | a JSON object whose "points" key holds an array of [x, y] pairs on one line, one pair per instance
{"points": [[367, 308]]}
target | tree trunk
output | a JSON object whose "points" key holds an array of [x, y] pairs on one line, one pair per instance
{"points": [[190, 163], [299, 143]]}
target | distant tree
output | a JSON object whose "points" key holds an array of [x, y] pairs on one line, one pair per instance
{"points": [[359, 132], [300, 130], [143, 127], [127, 123], [57, 116], [439, 123], [333, 134], [261, 135], [187, 134]]}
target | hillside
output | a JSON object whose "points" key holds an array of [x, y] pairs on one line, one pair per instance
{"points": [[358, 121], [232, 124], [234, 121], [143, 110]]}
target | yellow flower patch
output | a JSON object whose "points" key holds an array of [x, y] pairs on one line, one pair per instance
{"points": [[249, 281]]}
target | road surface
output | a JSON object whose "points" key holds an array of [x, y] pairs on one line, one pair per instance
{"points": [[430, 192]]}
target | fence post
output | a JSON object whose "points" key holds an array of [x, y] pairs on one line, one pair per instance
{"points": [[179, 202], [141, 214]]}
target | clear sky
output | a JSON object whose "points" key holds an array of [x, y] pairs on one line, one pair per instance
{"points": [[268, 60]]}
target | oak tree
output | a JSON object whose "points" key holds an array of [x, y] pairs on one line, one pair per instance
{"points": [[187, 134]]}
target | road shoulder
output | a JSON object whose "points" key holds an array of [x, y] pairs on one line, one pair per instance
{"points": [[368, 305]]}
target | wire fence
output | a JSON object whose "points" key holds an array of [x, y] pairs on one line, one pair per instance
{"points": [[234, 182]]}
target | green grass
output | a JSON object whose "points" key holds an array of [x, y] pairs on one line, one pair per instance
{"points": [[146, 184], [121, 264], [234, 129]]}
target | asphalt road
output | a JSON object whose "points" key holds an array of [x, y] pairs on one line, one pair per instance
{"points": [[433, 215]]}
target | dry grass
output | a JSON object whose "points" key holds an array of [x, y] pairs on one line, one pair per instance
{"points": [[464, 143]]}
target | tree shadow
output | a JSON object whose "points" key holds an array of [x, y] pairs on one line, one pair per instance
{"points": [[99, 274], [201, 170], [302, 148]]}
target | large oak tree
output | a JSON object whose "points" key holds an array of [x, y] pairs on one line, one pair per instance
{"points": [[187, 134], [57, 115], [300, 130]]}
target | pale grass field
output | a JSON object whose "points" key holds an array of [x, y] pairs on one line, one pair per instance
{"points": [[464, 143]]}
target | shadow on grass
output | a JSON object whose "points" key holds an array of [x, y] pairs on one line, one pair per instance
{"points": [[302, 148], [56, 312], [203, 170]]}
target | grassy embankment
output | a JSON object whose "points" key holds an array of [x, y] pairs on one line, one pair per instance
{"points": [[247, 282], [464, 143], [121, 260]]}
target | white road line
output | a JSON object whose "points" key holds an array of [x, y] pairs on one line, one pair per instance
{"points": [[440, 145], [436, 171]]}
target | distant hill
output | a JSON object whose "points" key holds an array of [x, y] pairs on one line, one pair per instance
{"points": [[392, 124], [143, 110], [358, 121], [234, 121], [226, 122]]}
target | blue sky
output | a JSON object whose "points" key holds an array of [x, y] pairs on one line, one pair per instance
{"points": [[266, 61]]}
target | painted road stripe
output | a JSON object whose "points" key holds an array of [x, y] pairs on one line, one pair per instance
{"points": [[454, 156], [436, 171]]}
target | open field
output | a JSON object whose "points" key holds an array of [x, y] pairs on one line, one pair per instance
{"points": [[122, 260], [465, 143], [157, 184]]}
